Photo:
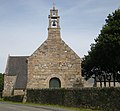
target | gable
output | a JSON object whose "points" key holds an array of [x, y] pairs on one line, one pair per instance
{"points": [[54, 49]]}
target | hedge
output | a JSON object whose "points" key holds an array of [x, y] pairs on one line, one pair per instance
{"points": [[0, 94], [97, 98], [17, 98]]}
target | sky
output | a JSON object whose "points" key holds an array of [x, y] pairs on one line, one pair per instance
{"points": [[24, 23]]}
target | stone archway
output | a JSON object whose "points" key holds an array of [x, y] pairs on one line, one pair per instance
{"points": [[55, 76], [54, 83]]}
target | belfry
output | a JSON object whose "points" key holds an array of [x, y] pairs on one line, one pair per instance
{"points": [[54, 21], [53, 65]]}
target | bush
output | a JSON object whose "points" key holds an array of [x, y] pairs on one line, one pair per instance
{"points": [[17, 98], [1, 82], [0, 94], [96, 98], [44, 96]]}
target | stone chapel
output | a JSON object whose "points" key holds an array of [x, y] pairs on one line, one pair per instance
{"points": [[53, 65]]}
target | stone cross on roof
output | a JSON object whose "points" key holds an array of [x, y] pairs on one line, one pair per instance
{"points": [[53, 4]]}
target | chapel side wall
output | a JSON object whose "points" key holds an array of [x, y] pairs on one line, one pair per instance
{"points": [[8, 85]]}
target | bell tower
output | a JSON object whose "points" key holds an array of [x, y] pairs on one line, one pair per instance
{"points": [[54, 24]]}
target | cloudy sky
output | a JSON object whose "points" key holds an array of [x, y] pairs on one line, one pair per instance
{"points": [[24, 23]]}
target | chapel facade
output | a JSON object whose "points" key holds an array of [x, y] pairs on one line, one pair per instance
{"points": [[53, 65]]}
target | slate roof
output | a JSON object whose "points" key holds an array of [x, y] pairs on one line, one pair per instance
{"points": [[17, 66]]}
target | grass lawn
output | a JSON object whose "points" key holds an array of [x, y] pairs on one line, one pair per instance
{"points": [[72, 108], [56, 106]]}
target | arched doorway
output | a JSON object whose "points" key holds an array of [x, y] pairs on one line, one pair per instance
{"points": [[54, 83]]}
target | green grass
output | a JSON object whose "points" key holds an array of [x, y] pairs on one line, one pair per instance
{"points": [[72, 108], [63, 107], [55, 106], [1, 99]]}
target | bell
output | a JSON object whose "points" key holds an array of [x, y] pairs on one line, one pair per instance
{"points": [[54, 24]]}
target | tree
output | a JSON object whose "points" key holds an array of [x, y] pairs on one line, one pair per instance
{"points": [[1, 82], [105, 52]]}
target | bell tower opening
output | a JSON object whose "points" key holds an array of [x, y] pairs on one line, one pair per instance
{"points": [[54, 18], [54, 83]]}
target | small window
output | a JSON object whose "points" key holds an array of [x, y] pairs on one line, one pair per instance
{"points": [[54, 83]]}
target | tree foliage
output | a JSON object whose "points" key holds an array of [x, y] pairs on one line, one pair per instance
{"points": [[1, 82], [105, 52]]}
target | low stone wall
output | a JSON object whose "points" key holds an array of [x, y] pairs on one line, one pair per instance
{"points": [[18, 92]]}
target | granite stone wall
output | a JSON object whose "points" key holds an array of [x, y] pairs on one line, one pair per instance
{"points": [[53, 59], [8, 85], [18, 92]]}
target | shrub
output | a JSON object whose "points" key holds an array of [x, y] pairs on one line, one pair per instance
{"points": [[96, 98], [17, 98], [0, 94]]}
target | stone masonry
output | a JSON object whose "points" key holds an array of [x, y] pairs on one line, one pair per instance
{"points": [[8, 85], [53, 59]]}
